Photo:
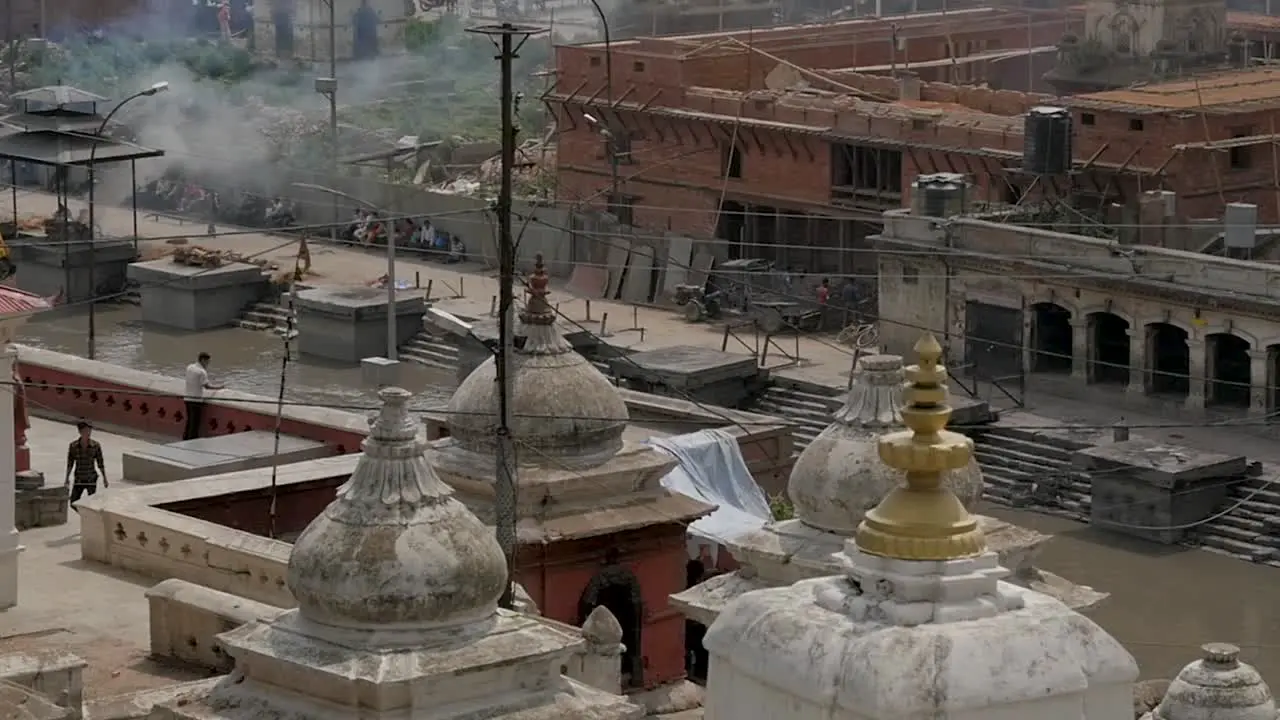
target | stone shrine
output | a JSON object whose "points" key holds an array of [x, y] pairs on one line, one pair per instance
{"points": [[348, 324], [397, 587], [835, 481], [1154, 490], [919, 586], [193, 298], [1217, 687], [595, 526], [74, 270]]}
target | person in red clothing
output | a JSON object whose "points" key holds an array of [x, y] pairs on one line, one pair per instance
{"points": [[224, 19], [824, 292]]}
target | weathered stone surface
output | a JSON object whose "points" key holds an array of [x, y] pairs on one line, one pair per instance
{"points": [[564, 410], [44, 507], [395, 548], [1217, 687]]}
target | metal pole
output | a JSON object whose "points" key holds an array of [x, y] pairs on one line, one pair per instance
{"points": [[391, 292], [616, 199], [133, 175], [13, 48], [93, 245], [505, 489], [333, 119]]}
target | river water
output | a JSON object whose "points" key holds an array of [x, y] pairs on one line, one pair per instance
{"points": [[1165, 602], [244, 360]]}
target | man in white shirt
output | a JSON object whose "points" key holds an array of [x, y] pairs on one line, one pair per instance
{"points": [[197, 384]]}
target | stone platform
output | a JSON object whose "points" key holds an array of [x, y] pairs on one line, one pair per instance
{"points": [[690, 371], [75, 270], [217, 455], [1153, 490], [37, 507], [196, 298], [348, 324]]}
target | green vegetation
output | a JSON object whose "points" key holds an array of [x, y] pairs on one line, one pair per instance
{"points": [[444, 88], [781, 507]]}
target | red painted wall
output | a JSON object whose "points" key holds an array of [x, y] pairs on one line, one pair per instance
{"points": [[83, 396], [657, 556]]}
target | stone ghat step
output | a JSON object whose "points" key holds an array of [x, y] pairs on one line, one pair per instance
{"points": [[801, 399], [1241, 550], [1003, 439]]}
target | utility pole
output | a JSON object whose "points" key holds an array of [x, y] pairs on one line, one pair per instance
{"points": [[504, 37]]}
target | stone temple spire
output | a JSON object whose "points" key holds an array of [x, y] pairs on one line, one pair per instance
{"points": [[919, 624], [395, 550], [538, 319], [397, 586], [839, 476], [566, 413]]}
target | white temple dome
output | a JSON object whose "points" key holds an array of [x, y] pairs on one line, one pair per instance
{"points": [[394, 550], [564, 410], [840, 476], [1217, 687]]}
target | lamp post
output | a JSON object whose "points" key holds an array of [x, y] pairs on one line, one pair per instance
{"points": [[329, 88], [608, 98], [93, 155]]}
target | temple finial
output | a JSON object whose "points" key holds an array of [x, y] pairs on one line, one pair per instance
{"points": [[537, 311], [923, 520]]}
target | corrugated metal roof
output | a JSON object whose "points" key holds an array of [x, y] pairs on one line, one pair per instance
{"points": [[17, 302], [54, 148]]}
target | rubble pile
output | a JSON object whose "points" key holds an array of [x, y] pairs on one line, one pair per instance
{"points": [[197, 256]]}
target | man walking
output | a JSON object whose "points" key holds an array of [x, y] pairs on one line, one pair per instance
{"points": [[84, 463], [197, 384]]}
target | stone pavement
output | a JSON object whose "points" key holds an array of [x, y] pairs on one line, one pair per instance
{"points": [[85, 608], [823, 362]]}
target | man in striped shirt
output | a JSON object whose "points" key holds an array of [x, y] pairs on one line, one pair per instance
{"points": [[84, 463]]}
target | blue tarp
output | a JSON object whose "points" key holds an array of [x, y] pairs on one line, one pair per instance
{"points": [[712, 470]]}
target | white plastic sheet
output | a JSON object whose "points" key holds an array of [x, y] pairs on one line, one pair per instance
{"points": [[712, 470]]}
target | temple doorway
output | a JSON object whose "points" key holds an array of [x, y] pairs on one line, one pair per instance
{"points": [[1109, 349], [1170, 359], [1229, 370], [282, 20], [618, 589], [1050, 338], [364, 41], [696, 660]]}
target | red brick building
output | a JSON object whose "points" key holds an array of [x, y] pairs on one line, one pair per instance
{"points": [[816, 146], [788, 144]]}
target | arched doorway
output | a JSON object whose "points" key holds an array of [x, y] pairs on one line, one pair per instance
{"points": [[364, 30], [1229, 370], [1170, 360], [1050, 338], [1108, 348], [618, 589], [282, 20], [696, 660]]}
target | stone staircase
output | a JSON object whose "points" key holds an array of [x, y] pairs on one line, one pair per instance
{"points": [[431, 349], [1250, 530], [810, 412], [1015, 461], [266, 316]]}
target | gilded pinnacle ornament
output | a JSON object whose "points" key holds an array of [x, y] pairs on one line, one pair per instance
{"points": [[923, 520]]}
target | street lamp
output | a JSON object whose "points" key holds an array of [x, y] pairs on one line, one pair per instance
{"points": [[608, 95], [93, 156], [328, 86]]}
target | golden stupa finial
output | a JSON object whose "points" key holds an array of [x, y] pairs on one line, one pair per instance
{"points": [[923, 520]]}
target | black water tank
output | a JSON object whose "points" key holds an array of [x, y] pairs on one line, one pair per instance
{"points": [[942, 195], [1046, 148]]}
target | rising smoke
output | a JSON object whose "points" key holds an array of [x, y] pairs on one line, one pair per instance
{"points": [[248, 123]]}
